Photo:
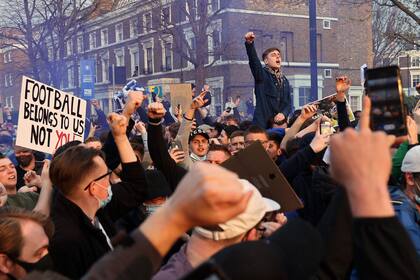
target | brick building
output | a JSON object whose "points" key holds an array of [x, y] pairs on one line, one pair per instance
{"points": [[409, 64], [128, 36], [13, 64]]}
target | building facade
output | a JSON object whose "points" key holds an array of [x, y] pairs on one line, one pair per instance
{"points": [[129, 35], [409, 64]]}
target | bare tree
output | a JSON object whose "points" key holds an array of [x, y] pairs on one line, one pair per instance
{"points": [[393, 31], [196, 37], [41, 29]]}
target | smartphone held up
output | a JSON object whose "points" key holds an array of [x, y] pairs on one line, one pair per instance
{"points": [[384, 88]]}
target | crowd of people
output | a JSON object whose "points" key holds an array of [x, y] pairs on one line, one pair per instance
{"points": [[145, 197]]}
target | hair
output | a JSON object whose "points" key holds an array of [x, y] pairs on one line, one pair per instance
{"points": [[292, 146], [269, 50], [68, 168], [92, 139], [244, 125], [11, 239], [173, 129], [221, 148], [2, 156], [275, 137], [254, 129], [66, 146], [229, 129], [138, 147], [193, 86], [231, 118], [237, 134]]}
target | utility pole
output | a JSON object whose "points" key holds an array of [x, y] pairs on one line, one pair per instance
{"points": [[313, 51]]}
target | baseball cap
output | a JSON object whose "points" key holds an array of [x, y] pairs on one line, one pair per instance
{"points": [[411, 162], [253, 214], [294, 252], [196, 132]]}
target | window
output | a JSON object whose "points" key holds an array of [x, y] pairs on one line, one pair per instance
{"points": [[304, 95], [147, 19], [415, 80], [216, 39], [215, 5], [415, 61], [119, 32], [7, 57], [326, 24], [149, 60], [70, 77], [134, 28], [104, 37], [355, 103], [286, 46], [80, 47], [191, 8], [92, 40], [8, 80], [69, 47], [166, 15], [218, 104], [50, 54], [327, 73], [119, 57], [105, 67], [134, 62], [168, 56]]}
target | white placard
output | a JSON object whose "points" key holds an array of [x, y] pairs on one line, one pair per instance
{"points": [[48, 117]]}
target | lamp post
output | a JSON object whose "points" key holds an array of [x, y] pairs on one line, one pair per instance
{"points": [[313, 50]]}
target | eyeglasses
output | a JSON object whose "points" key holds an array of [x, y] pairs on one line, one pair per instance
{"points": [[97, 179]]}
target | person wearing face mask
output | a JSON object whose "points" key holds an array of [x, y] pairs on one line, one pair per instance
{"points": [[87, 205], [25, 162], [24, 242], [406, 202]]}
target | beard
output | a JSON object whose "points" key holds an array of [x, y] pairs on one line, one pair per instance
{"points": [[24, 161]]}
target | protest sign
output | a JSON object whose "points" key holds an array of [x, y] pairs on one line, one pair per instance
{"points": [[265, 176], [181, 94], [327, 107], [48, 117]]}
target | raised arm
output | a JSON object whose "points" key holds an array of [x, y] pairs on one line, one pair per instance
{"points": [[254, 61], [342, 86], [157, 147], [307, 112]]}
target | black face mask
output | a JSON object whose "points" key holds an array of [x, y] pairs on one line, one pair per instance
{"points": [[24, 161], [43, 264]]}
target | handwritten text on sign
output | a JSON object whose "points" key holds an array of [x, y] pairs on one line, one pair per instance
{"points": [[48, 117]]}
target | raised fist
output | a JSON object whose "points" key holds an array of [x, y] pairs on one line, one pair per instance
{"points": [[250, 37]]}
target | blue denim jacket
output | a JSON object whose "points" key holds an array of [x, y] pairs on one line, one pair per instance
{"points": [[407, 214]]}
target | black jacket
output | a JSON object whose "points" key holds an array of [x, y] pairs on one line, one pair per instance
{"points": [[76, 243], [272, 97], [160, 156]]}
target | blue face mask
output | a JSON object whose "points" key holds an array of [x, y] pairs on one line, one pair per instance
{"points": [[103, 203]]}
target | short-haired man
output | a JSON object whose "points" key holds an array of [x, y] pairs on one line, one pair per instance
{"points": [[255, 133], [87, 205], [236, 142], [199, 145], [217, 154], [8, 177], [24, 240], [205, 242], [272, 89], [274, 150], [26, 162]]}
